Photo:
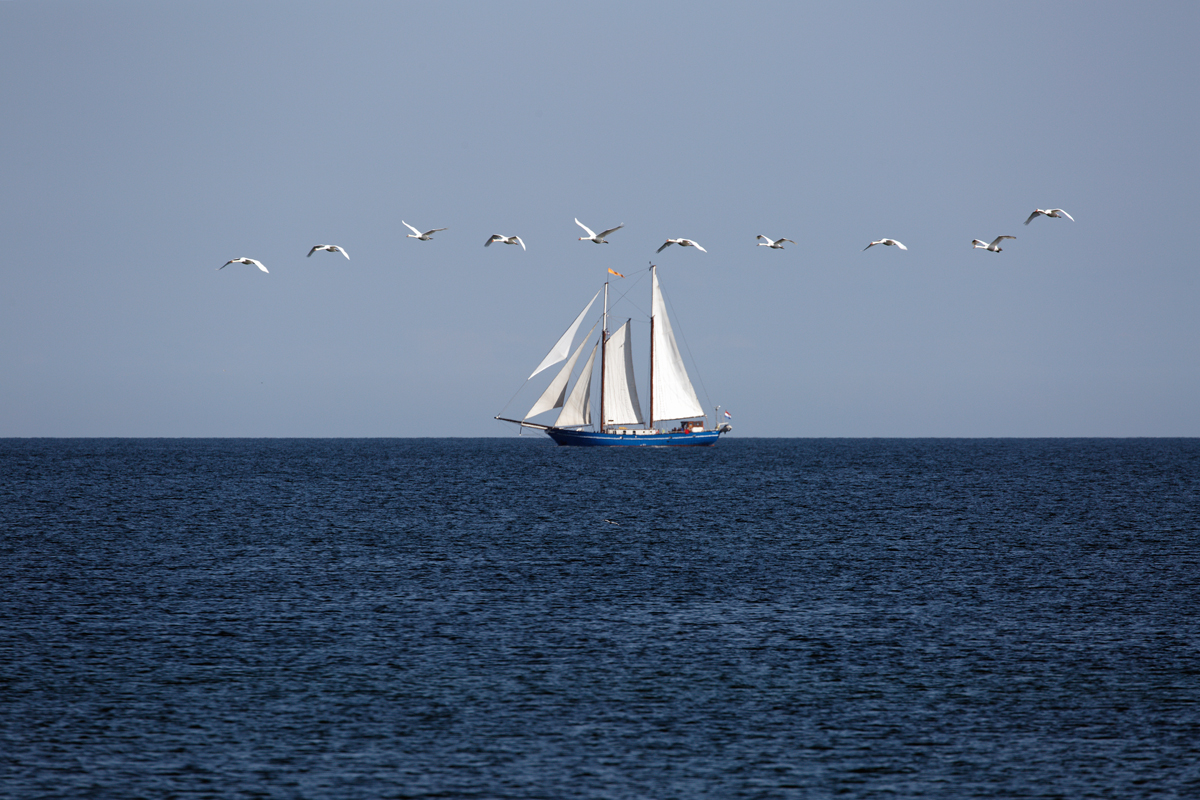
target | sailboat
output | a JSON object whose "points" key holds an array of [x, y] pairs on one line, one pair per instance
{"points": [[672, 397]]}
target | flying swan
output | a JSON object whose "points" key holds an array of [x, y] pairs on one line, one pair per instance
{"points": [[416, 234], [243, 260], [888, 242], [495, 237], [681, 243], [333, 248], [598, 238], [994, 246], [1057, 213]]}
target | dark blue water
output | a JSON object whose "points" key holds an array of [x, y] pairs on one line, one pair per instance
{"points": [[455, 618]]}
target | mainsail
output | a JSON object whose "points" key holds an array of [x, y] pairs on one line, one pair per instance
{"points": [[577, 411], [621, 406], [671, 390], [563, 345], [557, 390]]}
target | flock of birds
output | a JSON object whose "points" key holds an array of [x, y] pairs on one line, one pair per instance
{"points": [[978, 244], [601, 238], [332, 248]]}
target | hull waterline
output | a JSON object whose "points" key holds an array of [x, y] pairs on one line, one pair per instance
{"points": [[569, 438]]}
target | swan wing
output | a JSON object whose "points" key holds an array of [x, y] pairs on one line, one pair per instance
{"points": [[586, 229], [410, 227], [610, 230]]}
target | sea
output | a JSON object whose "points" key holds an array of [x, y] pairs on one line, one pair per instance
{"points": [[503, 618]]}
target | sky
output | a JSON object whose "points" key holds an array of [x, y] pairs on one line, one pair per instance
{"points": [[142, 145]]}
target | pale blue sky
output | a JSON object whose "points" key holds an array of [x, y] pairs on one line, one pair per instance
{"points": [[145, 144]]}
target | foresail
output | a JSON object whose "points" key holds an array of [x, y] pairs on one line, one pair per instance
{"points": [[674, 397], [557, 390], [577, 410], [563, 345], [621, 406]]}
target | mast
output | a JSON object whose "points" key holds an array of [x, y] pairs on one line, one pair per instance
{"points": [[603, 355], [650, 424]]}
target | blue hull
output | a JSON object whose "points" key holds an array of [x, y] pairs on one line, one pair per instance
{"points": [[568, 438]]}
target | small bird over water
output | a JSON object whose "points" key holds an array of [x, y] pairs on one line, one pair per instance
{"points": [[333, 248], [681, 243], [598, 238], [774, 244], [888, 242], [994, 246], [243, 260], [1057, 213], [416, 234], [495, 237]]}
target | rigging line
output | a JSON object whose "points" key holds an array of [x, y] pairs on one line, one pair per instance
{"points": [[695, 364], [632, 286], [504, 425], [514, 397]]}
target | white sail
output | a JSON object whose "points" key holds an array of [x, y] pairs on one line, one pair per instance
{"points": [[577, 411], [673, 395], [621, 406], [563, 345], [557, 390]]}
